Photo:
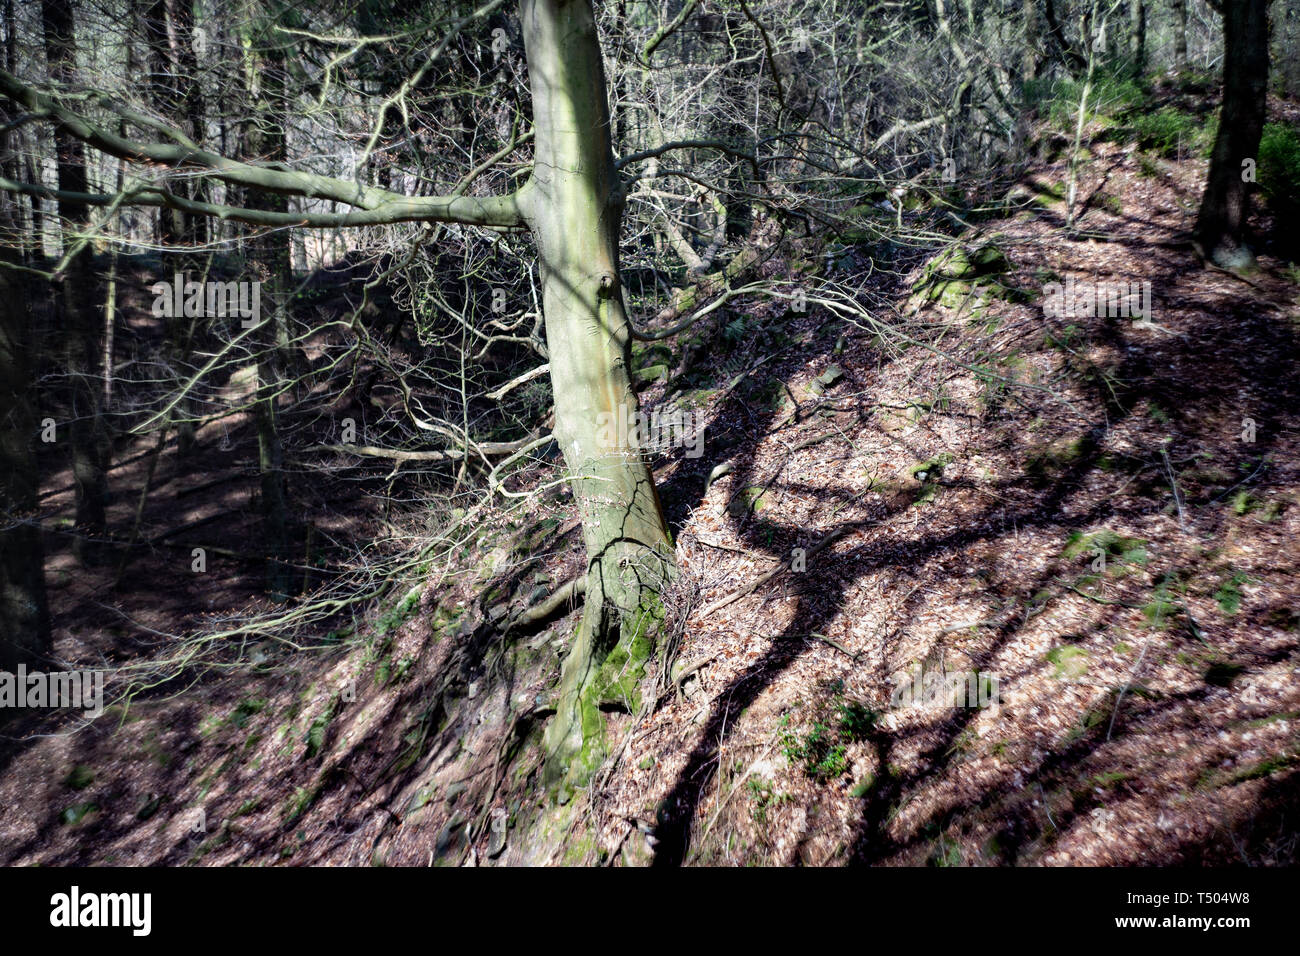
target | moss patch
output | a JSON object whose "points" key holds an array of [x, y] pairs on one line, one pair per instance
{"points": [[1112, 553]]}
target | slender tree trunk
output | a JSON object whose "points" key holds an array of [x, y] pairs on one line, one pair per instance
{"points": [[11, 151], [1180, 31], [1221, 223], [175, 91], [190, 107], [1138, 35], [1031, 61], [1074, 60], [38, 211], [24, 615], [1286, 37], [574, 208], [740, 77], [76, 304], [163, 91], [264, 140], [24, 618]]}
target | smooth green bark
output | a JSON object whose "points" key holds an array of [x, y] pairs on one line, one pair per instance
{"points": [[574, 206]]}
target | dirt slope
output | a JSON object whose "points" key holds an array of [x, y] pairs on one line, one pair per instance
{"points": [[1067, 506]]}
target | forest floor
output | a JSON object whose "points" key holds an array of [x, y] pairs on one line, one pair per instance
{"points": [[1094, 515]]}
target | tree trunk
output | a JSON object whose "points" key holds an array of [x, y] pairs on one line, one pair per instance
{"points": [[164, 93], [11, 151], [270, 257], [24, 614], [573, 205], [190, 108], [24, 619], [1180, 31], [1074, 60], [76, 304], [1031, 60], [167, 26], [1221, 223], [1138, 35], [574, 209]]}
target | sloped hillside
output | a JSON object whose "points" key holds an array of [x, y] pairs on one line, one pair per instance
{"points": [[1086, 520]]}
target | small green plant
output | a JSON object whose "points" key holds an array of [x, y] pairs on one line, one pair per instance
{"points": [[1279, 167], [1172, 133], [856, 720], [1069, 661], [1067, 338], [1117, 552], [736, 329], [945, 853], [79, 777], [400, 613], [247, 807], [315, 738], [1266, 767], [402, 668], [822, 758], [823, 751], [863, 787], [246, 709], [1112, 92], [1229, 593], [1108, 779], [1163, 604], [1243, 503], [78, 812], [1052, 193], [298, 803], [765, 798], [1111, 203]]}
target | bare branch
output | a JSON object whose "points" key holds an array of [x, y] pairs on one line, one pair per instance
{"points": [[379, 206]]}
